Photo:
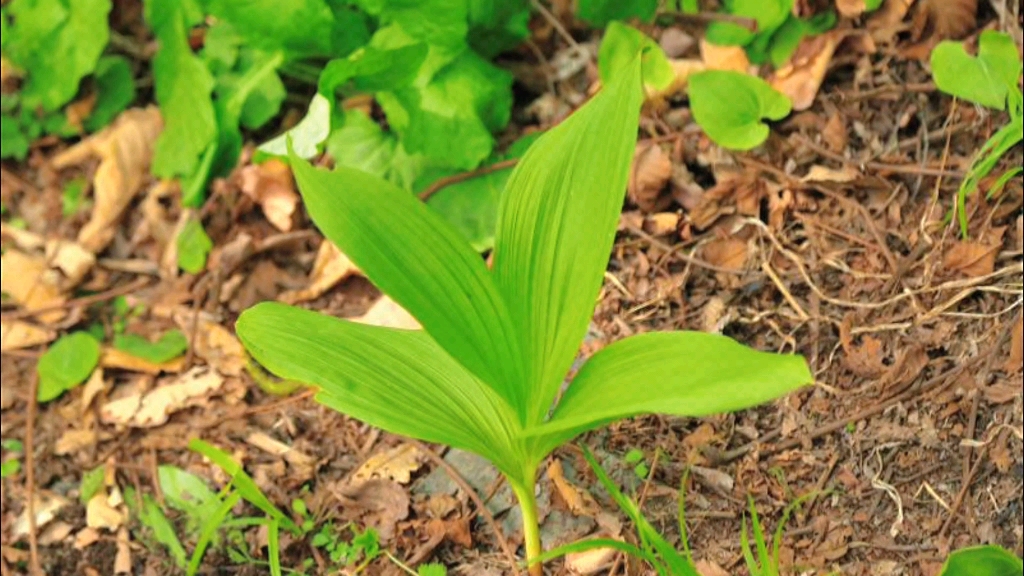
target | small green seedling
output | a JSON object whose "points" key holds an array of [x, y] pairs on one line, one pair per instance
{"points": [[983, 561], [990, 79], [635, 458], [11, 464], [193, 247], [485, 372], [68, 363], [777, 33], [169, 346]]}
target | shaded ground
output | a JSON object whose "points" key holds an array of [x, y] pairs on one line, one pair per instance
{"points": [[911, 439]]}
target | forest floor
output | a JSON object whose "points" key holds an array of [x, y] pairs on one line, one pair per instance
{"points": [[831, 241]]}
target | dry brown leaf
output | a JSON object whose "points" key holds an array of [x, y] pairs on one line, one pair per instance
{"points": [[305, 463], [56, 534], [819, 173], [155, 407], [270, 185], [709, 568], [103, 513], [867, 358], [889, 15], [123, 558], [120, 360], [31, 283], [125, 149], [79, 111], [590, 561], [1016, 361], [86, 537], [8, 70], [579, 501], [727, 253], [972, 259], [329, 268], [1003, 392], [396, 464], [381, 504], [47, 506], [94, 386], [387, 313], [734, 193], [73, 260], [662, 223], [74, 440], [648, 176], [802, 76], [17, 335], [834, 133], [730, 58], [212, 342], [945, 18]]}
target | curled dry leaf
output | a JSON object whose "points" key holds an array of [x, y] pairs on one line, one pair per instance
{"points": [[271, 185], [387, 313], [590, 561], [124, 149], [17, 335], [865, 359], [103, 512], [396, 464], [74, 440], [329, 268], [155, 407], [123, 558], [727, 253], [802, 76], [47, 506], [662, 223], [32, 284], [819, 173], [579, 501], [942, 19], [651, 171], [120, 360], [380, 504], [732, 58], [300, 460], [212, 342], [972, 259]]}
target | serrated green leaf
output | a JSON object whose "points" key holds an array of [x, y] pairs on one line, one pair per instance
{"points": [[986, 79], [381, 376], [301, 28], [152, 517], [731, 107], [57, 42], [171, 345], [68, 363], [307, 135], [415, 257], [679, 373], [92, 483], [983, 561], [601, 12], [556, 226], [13, 141], [115, 91], [183, 89], [193, 247], [619, 47]]}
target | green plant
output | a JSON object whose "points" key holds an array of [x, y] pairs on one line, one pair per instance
{"points": [[983, 561], [169, 346], [484, 373], [12, 465], [990, 79], [68, 363], [778, 32], [635, 458]]}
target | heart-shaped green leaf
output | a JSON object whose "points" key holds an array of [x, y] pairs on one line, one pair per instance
{"points": [[731, 107], [983, 561], [986, 79]]}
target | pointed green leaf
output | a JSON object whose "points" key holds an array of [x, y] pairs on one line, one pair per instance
{"points": [[169, 346], [556, 225], [731, 107], [679, 373], [620, 46], [424, 264], [308, 134], [986, 79], [983, 561], [398, 380], [67, 364]]}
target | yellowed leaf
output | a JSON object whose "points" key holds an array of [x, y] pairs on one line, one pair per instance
{"points": [[590, 561], [294, 457], [386, 312], [270, 185], [212, 342], [662, 223], [125, 149], [396, 464], [682, 68], [801, 77], [16, 335], [155, 407], [94, 386], [579, 501], [730, 58], [86, 537], [819, 173], [47, 506], [650, 172], [120, 360], [70, 258], [56, 534], [726, 253], [74, 440], [123, 558], [101, 514], [31, 283], [329, 268]]}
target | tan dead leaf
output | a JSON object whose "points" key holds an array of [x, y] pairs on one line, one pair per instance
{"points": [[709, 568], [47, 506], [741, 193], [819, 173], [648, 176], [865, 359], [17, 335], [101, 513], [1016, 361], [380, 504], [972, 259], [727, 253], [74, 440], [120, 360], [716, 478], [123, 558], [94, 386], [834, 133], [387, 313], [999, 453], [212, 342], [851, 8], [579, 501], [55, 534], [1003, 392], [729, 58], [945, 19], [31, 283], [73, 260], [329, 268], [396, 464], [889, 15], [85, 538], [662, 223], [801, 77], [79, 111], [304, 462], [590, 561], [270, 185], [155, 407], [124, 149], [682, 68]]}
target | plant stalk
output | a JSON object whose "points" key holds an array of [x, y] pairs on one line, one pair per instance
{"points": [[531, 526]]}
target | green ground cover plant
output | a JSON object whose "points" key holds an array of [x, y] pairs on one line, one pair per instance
{"points": [[486, 372]]}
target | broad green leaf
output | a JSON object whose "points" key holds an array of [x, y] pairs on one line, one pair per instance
{"points": [[787, 38], [72, 196], [373, 69], [183, 88], [619, 48], [678, 373], [188, 493], [601, 12], [398, 380], [152, 517], [983, 561], [10, 468], [308, 134], [432, 570], [68, 363], [92, 483], [497, 25], [439, 22], [193, 247], [302, 28], [13, 141], [57, 42], [356, 141], [556, 226], [986, 79], [731, 107], [115, 91], [415, 257], [170, 345]]}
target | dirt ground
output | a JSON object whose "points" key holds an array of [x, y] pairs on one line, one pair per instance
{"points": [[831, 241]]}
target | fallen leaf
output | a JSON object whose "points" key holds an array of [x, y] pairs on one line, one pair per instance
{"points": [[85, 538], [889, 16], [305, 463], [100, 514], [590, 561], [396, 464], [329, 268], [271, 185], [380, 504], [212, 342], [123, 559], [709, 568], [972, 259], [121, 360], [94, 386], [681, 70], [1003, 392], [74, 440], [727, 253], [851, 8], [55, 534], [125, 149], [387, 313], [662, 223], [867, 358], [47, 506], [834, 133], [801, 77], [648, 176], [741, 193], [155, 407], [1016, 361], [579, 501], [819, 173], [718, 57], [945, 18], [17, 335], [70, 258], [30, 282]]}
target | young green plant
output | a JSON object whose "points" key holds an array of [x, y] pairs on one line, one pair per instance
{"points": [[486, 371]]}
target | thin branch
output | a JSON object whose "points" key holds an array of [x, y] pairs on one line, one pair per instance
{"points": [[462, 177]]}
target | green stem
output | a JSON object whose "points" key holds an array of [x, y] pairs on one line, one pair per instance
{"points": [[531, 527]]}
